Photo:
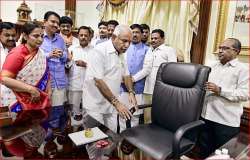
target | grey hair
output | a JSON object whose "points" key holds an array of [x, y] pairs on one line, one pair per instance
{"points": [[121, 28]]}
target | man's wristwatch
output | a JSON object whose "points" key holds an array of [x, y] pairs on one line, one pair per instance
{"points": [[131, 91]]}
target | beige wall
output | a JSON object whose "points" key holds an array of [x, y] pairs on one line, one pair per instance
{"points": [[86, 13], [210, 56], [9, 13]]}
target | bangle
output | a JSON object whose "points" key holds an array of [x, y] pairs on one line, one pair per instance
{"points": [[113, 100]]}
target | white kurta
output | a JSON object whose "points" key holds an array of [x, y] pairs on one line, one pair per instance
{"points": [[105, 64], [76, 74], [155, 57]]}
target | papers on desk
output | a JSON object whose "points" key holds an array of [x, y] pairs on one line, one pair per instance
{"points": [[79, 137]]}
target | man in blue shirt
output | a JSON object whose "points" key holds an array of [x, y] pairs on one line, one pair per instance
{"points": [[55, 50], [134, 57]]}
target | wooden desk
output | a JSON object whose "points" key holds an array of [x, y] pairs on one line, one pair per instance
{"points": [[60, 145]]}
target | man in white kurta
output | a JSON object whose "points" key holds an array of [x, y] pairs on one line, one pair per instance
{"points": [[77, 68], [227, 87], [156, 55], [103, 78], [134, 58], [7, 41], [104, 75]]}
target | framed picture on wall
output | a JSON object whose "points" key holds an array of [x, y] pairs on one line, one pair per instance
{"points": [[233, 21]]}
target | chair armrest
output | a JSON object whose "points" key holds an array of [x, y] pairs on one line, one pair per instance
{"points": [[181, 132], [132, 110], [142, 106]]}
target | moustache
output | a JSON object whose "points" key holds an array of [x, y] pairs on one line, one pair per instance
{"points": [[55, 27], [83, 40]]}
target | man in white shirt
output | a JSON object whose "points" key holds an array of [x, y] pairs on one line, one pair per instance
{"points": [[101, 88], [227, 87], [102, 34], [156, 55], [134, 58], [104, 74], [7, 42], [77, 67]]}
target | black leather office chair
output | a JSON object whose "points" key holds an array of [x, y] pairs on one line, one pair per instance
{"points": [[176, 107]]}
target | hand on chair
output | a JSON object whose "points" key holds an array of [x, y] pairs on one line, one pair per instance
{"points": [[123, 111]]}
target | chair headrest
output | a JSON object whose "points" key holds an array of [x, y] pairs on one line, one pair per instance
{"points": [[179, 74]]}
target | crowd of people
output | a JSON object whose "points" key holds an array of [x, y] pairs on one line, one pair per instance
{"points": [[106, 74]]}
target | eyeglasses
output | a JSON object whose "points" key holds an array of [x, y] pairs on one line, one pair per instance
{"points": [[224, 48]]}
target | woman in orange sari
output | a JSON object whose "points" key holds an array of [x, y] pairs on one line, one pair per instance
{"points": [[25, 73]]}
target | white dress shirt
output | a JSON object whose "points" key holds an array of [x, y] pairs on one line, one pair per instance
{"points": [[75, 41], [3, 88], [76, 74], [226, 109], [153, 59], [106, 64]]}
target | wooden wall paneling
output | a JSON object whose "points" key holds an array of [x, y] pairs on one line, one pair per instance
{"points": [[70, 9], [199, 42]]}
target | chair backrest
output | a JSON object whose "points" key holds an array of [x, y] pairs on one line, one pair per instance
{"points": [[178, 94]]}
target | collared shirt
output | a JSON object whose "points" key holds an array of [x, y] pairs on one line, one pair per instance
{"points": [[226, 109], [56, 65], [154, 58], [76, 73], [134, 58], [3, 89], [104, 63]]}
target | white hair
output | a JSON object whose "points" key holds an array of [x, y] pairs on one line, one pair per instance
{"points": [[121, 28]]}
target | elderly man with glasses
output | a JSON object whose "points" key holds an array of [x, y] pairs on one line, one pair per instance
{"points": [[227, 87]]}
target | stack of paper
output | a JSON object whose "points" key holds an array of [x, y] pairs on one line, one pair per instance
{"points": [[79, 137]]}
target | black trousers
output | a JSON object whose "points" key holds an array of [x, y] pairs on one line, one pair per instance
{"points": [[213, 136]]}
